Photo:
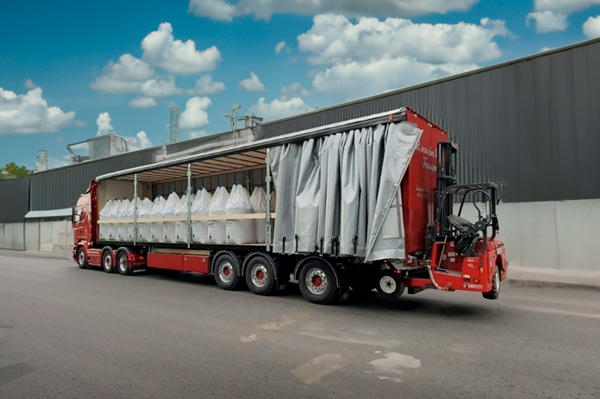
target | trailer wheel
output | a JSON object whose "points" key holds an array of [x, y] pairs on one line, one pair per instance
{"points": [[494, 293], [123, 263], [260, 275], [317, 282], [226, 272], [389, 285], [107, 261], [81, 258]]}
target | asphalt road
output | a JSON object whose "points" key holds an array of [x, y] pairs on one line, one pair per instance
{"points": [[71, 333]]}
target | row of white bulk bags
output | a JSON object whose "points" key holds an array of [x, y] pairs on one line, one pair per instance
{"points": [[231, 231]]}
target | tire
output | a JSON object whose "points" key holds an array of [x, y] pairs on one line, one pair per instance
{"points": [[389, 285], [108, 261], [260, 275], [317, 282], [81, 258], [494, 293], [226, 272], [123, 266]]}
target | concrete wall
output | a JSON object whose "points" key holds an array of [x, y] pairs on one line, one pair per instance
{"points": [[553, 234], [45, 236], [12, 236]]}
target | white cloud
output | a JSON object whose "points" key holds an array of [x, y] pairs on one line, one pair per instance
{"points": [[160, 88], [279, 47], [396, 56], [252, 83], [29, 84], [548, 21], [195, 115], [175, 56], [59, 162], [551, 15], [125, 76], [278, 109], [143, 102], [104, 124], [29, 113], [359, 79], [591, 27], [335, 39], [293, 90], [564, 6], [263, 9], [218, 10], [545, 48], [205, 85]]}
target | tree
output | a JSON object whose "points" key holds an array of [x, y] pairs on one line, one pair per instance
{"points": [[11, 170]]}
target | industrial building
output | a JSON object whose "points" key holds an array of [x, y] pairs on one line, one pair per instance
{"points": [[530, 125]]}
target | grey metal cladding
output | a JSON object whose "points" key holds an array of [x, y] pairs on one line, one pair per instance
{"points": [[60, 188], [14, 200], [531, 125]]}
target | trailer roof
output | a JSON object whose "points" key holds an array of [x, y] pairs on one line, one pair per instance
{"points": [[240, 157]]}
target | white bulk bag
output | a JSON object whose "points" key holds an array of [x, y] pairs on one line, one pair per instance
{"points": [[129, 215], [258, 201], [169, 211], [200, 208], [216, 228], [181, 211], [144, 209], [239, 231], [156, 227], [122, 214], [113, 228], [104, 214]]}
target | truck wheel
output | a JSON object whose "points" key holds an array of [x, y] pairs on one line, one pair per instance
{"points": [[494, 293], [389, 285], [81, 258], [317, 282], [226, 272], [123, 263], [107, 261], [260, 275]]}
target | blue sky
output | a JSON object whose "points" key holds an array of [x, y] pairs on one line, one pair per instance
{"points": [[72, 70]]}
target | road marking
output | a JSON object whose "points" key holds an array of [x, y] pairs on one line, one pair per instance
{"points": [[316, 368], [391, 364], [559, 312], [350, 340], [249, 338]]}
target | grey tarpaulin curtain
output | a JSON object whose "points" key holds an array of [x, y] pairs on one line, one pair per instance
{"points": [[340, 194]]}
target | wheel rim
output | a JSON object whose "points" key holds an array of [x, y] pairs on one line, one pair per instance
{"points": [[260, 275], [387, 284], [316, 281], [123, 263], [496, 284], [81, 257], [107, 261], [226, 272]]}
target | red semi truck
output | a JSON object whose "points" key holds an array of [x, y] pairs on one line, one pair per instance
{"points": [[369, 203]]}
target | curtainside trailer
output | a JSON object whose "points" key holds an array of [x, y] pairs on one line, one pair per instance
{"points": [[364, 204]]}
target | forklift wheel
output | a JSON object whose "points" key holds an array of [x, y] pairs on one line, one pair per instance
{"points": [[389, 284], [494, 293]]}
